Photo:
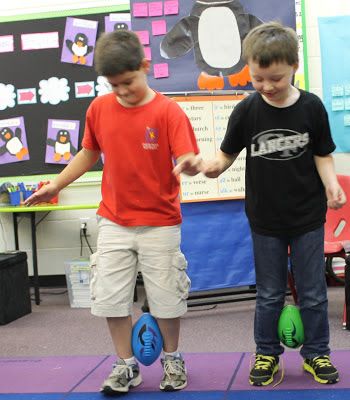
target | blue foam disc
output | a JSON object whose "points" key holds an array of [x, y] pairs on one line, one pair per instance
{"points": [[146, 339]]}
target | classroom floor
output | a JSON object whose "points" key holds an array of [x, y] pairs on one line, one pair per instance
{"points": [[59, 353]]}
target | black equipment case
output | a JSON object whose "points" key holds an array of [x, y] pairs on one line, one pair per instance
{"points": [[14, 286]]}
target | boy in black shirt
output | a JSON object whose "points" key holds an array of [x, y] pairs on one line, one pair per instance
{"points": [[290, 178]]}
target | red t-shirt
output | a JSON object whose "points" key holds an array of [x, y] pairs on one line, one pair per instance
{"points": [[139, 144]]}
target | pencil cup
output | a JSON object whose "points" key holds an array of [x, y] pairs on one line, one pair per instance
{"points": [[15, 198], [26, 194]]}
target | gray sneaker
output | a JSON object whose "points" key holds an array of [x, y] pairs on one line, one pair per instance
{"points": [[121, 378], [175, 374]]}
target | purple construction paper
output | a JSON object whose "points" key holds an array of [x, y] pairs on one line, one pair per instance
{"points": [[206, 372], [16, 149], [44, 374], [52, 151], [117, 21], [76, 27]]}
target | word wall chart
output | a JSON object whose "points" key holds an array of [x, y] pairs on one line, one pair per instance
{"points": [[209, 117]]}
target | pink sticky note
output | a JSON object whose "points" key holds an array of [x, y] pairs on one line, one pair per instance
{"points": [[171, 7], [161, 70], [143, 36], [148, 53], [6, 44], [159, 27], [155, 9], [140, 10]]}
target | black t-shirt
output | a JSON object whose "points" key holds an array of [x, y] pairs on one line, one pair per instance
{"points": [[284, 193]]}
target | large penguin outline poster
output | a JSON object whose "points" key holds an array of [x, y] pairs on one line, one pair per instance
{"points": [[200, 49]]}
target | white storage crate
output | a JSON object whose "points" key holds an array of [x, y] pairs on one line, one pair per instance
{"points": [[78, 282]]}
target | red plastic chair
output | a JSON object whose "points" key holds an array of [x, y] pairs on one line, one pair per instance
{"points": [[336, 245], [337, 236]]}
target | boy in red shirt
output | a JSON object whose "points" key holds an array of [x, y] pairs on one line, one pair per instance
{"points": [[139, 132]]}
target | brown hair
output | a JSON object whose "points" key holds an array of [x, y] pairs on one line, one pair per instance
{"points": [[271, 42], [118, 52]]}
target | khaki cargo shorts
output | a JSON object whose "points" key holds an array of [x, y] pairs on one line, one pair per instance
{"points": [[121, 253]]}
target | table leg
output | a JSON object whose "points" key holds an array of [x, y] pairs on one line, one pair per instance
{"points": [[35, 260], [15, 229]]}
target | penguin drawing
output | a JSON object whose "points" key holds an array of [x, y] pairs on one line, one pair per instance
{"points": [[13, 143], [79, 48], [215, 30], [62, 146]]}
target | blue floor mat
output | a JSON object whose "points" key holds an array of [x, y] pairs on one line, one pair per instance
{"points": [[326, 394]]}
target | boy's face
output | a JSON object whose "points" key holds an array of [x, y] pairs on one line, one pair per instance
{"points": [[131, 87], [274, 82]]}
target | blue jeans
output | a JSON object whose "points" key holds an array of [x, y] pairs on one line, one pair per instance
{"points": [[307, 260]]}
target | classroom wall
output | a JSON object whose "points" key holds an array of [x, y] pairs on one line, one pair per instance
{"points": [[315, 9], [58, 234]]}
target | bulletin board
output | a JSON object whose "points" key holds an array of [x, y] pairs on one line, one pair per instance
{"points": [[335, 56], [31, 52], [209, 125]]}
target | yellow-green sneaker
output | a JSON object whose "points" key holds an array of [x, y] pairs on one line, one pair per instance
{"points": [[264, 369], [321, 369]]}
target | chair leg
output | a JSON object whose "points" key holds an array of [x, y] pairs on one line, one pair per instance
{"points": [[291, 284], [347, 293]]}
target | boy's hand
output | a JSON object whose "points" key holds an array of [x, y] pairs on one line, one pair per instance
{"points": [[222, 161], [43, 195], [189, 165], [212, 168], [336, 197]]}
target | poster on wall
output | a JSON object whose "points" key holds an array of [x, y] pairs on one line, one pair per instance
{"points": [[191, 41], [300, 78], [209, 117], [335, 56]]}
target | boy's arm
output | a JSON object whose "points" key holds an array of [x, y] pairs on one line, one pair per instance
{"points": [[325, 167], [81, 163], [189, 164], [222, 161]]}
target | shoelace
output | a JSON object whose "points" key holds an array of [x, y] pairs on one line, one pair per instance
{"points": [[173, 367], [120, 370], [282, 373], [322, 361], [264, 362]]}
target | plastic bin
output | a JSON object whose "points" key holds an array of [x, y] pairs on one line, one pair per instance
{"points": [[14, 286], [78, 282]]}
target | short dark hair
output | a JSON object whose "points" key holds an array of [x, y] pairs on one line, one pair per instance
{"points": [[271, 42], [118, 52]]}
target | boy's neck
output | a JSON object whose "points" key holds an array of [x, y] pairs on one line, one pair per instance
{"points": [[291, 98], [149, 96]]}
